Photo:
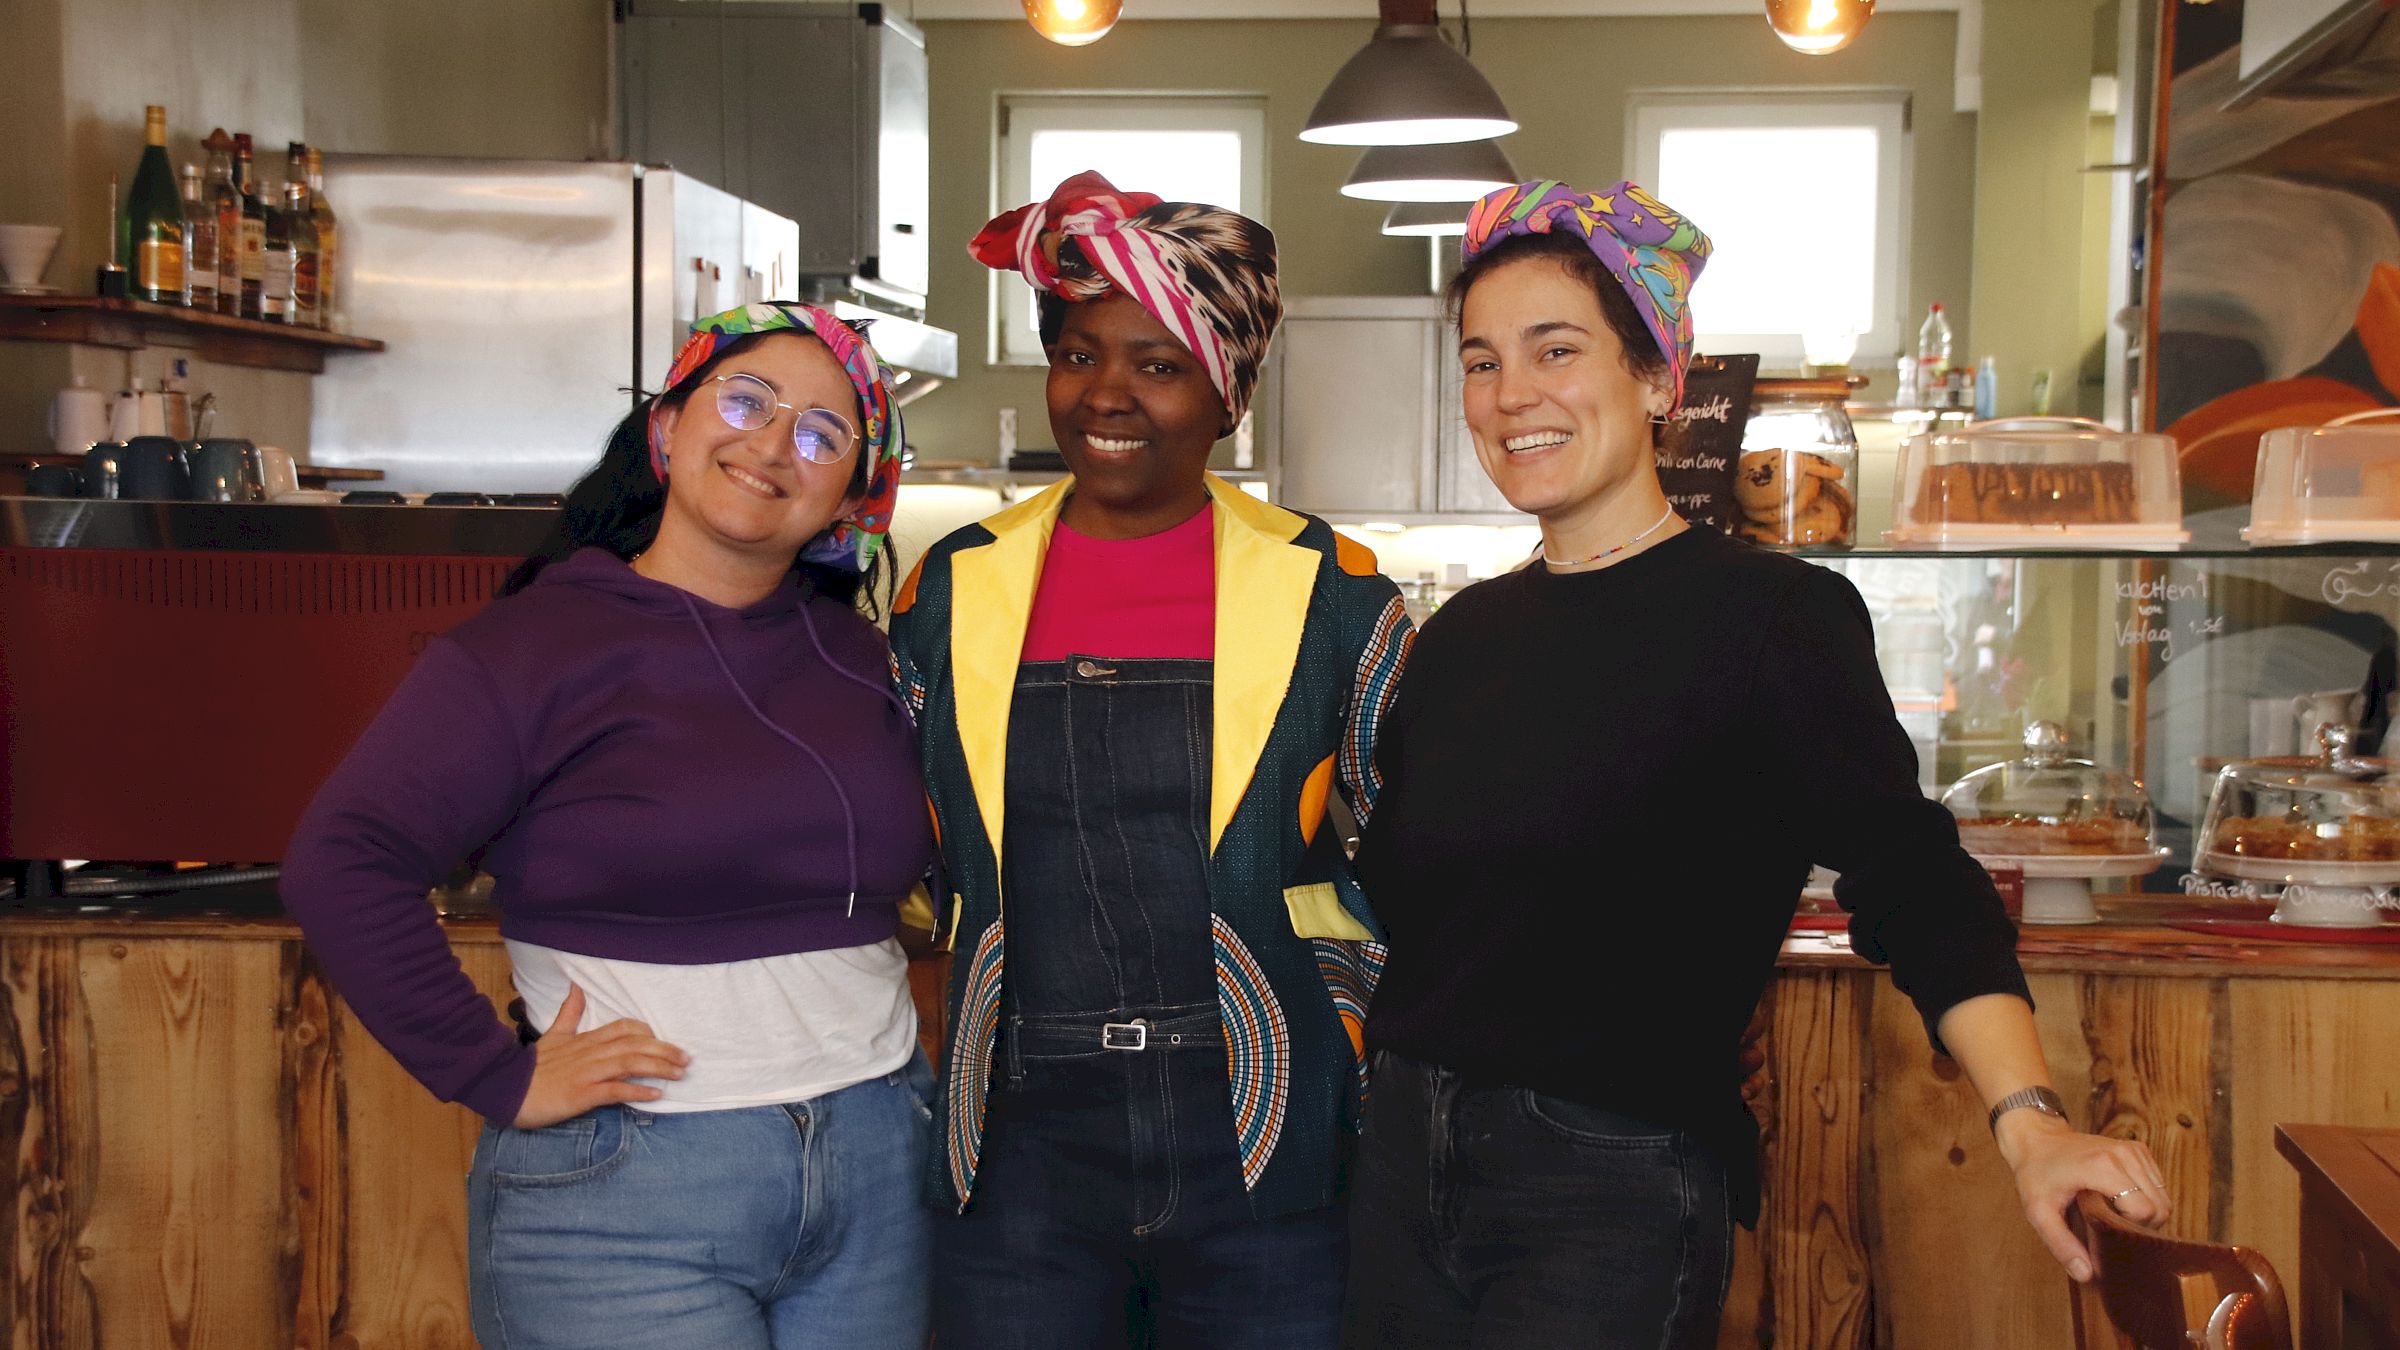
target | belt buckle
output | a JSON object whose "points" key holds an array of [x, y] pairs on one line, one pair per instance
{"points": [[1125, 1036]]}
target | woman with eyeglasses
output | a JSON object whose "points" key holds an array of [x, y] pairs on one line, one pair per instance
{"points": [[674, 745]]}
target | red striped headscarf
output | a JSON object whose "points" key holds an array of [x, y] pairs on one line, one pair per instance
{"points": [[1206, 273]]}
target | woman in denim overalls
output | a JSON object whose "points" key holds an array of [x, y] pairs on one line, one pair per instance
{"points": [[1136, 692]]}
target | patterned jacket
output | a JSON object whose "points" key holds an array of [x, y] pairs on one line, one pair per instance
{"points": [[1310, 640]]}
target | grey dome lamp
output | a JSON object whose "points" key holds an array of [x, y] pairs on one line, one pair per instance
{"points": [[1427, 220], [1407, 87], [1459, 171]]}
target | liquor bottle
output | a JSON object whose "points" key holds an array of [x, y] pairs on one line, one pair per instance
{"points": [[254, 230], [278, 266], [306, 263], [329, 236], [308, 273], [199, 243], [225, 200], [152, 243]]}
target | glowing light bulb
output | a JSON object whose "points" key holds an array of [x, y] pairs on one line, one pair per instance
{"points": [[1073, 23], [1816, 27]]}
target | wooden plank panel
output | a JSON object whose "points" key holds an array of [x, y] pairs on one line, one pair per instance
{"points": [[45, 1087], [314, 1195], [403, 1160], [2153, 1077], [2308, 1052], [1813, 1253], [184, 1223]]}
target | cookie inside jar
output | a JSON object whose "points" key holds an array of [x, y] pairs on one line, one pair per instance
{"points": [[1795, 484]]}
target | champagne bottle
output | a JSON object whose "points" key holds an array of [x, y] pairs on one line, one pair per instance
{"points": [[225, 201], [151, 246], [329, 236], [254, 230], [302, 230], [199, 243], [277, 302]]}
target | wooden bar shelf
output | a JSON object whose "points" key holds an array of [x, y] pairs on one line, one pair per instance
{"points": [[134, 324]]}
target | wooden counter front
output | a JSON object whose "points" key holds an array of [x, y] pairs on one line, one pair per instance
{"points": [[205, 1148]]}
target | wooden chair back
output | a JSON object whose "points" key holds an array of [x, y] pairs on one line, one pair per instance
{"points": [[2156, 1292]]}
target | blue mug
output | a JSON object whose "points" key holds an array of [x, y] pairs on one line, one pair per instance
{"points": [[54, 480], [104, 470], [227, 470], [154, 470]]}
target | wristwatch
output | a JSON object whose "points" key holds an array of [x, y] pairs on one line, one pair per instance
{"points": [[2040, 1099]]}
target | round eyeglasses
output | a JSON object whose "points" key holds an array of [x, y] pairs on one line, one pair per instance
{"points": [[820, 435]]}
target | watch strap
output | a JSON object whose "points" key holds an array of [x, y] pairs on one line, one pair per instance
{"points": [[2041, 1099]]}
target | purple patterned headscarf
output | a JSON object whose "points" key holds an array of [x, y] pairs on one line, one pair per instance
{"points": [[1653, 253]]}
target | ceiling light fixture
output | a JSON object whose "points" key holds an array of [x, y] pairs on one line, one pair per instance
{"points": [[1073, 23], [1407, 87], [1459, 171], [1818, 27], [1427, 220]]}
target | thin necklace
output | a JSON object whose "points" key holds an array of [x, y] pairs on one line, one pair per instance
{"points": [[1609, 552]]}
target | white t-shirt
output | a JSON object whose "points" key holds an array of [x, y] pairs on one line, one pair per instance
{"points": [[759, 1032]]}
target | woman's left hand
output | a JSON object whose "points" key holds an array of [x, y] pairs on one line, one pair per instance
{"points": [[2054, 1162]]}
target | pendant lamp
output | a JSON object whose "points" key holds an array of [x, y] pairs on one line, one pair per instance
{"points": [[1817, 27], [1426, 219], [1073, 23], [1459, 171], [1407, 87]]}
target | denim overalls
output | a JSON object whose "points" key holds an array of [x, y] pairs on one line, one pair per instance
{"points": [[1110, 1207]]}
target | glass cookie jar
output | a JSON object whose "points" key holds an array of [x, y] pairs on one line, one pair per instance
{"points": [[1796, 484]]}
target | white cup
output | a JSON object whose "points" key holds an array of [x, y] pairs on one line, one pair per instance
{"points": [[25, 252], [78, 418], [280, 475]]}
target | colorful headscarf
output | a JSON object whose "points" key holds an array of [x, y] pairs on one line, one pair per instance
{"points": [[1653, 253], [850, 542], [1206, 273]]}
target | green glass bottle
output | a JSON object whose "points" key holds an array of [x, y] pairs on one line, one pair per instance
{"points": [[150, 240], [253, 229]]}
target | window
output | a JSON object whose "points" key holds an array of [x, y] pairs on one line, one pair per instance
{"points": [[1805, 197], [1183, 149]]}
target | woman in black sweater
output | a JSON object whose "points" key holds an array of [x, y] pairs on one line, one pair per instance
{"points": [[1555, 1147]]}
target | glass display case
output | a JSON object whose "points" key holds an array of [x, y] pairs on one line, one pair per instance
{"points": [[2164, 667]]}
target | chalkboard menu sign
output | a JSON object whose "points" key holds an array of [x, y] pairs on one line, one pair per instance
{"points": [[1703, 439]]}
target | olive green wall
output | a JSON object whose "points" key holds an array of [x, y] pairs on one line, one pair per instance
{"points": [[1566, 80], [2041, 226]]}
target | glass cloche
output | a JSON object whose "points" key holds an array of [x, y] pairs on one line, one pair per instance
{"points": [[2332, 817], [2062, 820]]}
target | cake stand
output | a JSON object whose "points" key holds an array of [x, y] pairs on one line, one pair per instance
{"points": [[2058, 886], [2315, 894]]}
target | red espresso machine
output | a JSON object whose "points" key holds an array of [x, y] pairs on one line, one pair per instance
{"points": [[176, 678]]}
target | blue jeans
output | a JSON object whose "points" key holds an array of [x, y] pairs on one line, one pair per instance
{"points": [[763, 1228], [1493, 1217]]}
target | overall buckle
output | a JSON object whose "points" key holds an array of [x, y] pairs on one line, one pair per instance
{"points": [[1133, 1035]]}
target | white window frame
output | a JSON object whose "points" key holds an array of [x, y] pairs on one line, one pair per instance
{"points": [[1011, 339], [1651, 114]]}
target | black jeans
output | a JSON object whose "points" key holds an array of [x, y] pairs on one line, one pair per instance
{"points": [[1497, 1218], [1109, 1208]]}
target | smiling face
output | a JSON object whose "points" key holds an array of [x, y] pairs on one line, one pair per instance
{"points": [[749, 492], [1559, 418], [1135, 418]]}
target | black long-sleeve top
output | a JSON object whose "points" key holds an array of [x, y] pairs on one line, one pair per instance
{"points": [[1602, 793]]}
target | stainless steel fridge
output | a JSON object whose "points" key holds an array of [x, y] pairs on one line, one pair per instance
{"points": [[523, 304]]}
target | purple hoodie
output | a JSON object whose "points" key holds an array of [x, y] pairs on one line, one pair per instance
{"points": [[651, 778]]}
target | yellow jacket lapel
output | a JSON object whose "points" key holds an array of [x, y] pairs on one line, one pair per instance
{"points": [[992, 589], [1263, 586]]}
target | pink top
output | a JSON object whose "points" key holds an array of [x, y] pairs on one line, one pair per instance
{"points": [[1153, 598]]}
